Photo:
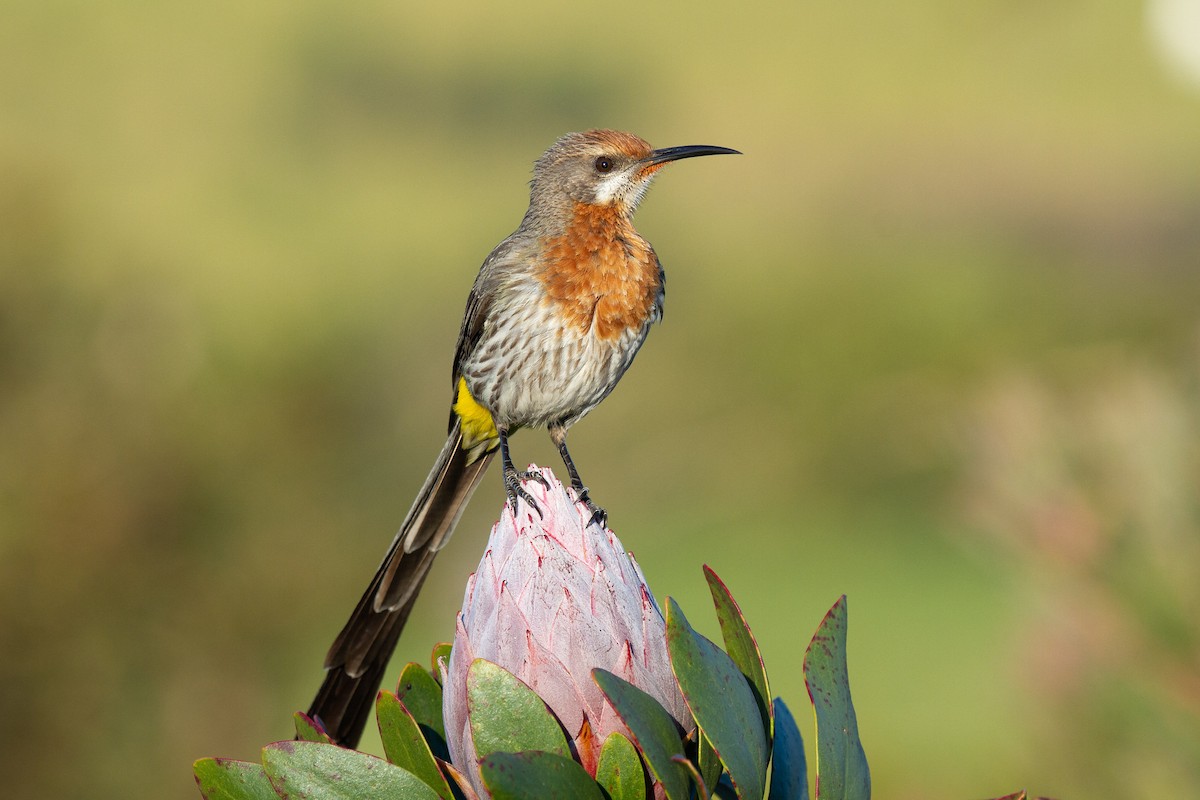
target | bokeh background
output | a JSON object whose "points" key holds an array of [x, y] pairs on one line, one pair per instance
{"points": [[933, 342]]}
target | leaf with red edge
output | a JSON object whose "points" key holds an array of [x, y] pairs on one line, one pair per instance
{"points": [[507, 716], [722, 702], [317, 771], [226, 779], [422, 698], [654, 732], [842, 771], [619, 769], [537, 775], [309, 730], [441, 651], [698, 781], [404, 743], [741, 646]]}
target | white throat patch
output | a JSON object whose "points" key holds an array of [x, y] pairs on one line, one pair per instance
{"points": [[622, 186]]}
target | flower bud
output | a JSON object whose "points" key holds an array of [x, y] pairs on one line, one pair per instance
{"points": [[554, 597]]}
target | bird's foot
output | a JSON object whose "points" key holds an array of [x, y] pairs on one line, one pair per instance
{"points": [[515, 492], [599, 515], [534, 475]]}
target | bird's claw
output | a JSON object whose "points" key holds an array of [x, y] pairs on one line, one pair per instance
{"points": [[599, 515], [515, 491], [534, 475]]}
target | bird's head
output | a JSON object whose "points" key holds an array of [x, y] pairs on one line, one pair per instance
{"points": [[604, 168]]}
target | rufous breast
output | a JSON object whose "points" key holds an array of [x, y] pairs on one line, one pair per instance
{"points": [[601, 275]]}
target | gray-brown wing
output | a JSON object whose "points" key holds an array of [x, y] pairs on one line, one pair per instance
{"points": [[479, 302]]}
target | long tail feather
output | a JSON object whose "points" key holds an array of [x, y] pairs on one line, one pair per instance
{"points": [[359, 656]]}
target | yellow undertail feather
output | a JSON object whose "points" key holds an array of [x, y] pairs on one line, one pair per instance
{"points": [[478, 427]]}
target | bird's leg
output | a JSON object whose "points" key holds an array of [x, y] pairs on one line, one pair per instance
{"points": [[512, 478], [558, 434]]}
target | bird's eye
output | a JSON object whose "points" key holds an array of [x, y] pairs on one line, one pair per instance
{"points": [[604, 164]]}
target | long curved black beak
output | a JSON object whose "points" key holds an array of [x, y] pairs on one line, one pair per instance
{"points": [[665, 154]]}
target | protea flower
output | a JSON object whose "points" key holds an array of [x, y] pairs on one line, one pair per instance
{"points": [[554, 597], [566, 680]]}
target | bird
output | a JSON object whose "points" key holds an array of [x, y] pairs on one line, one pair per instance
{"points": [[556, 315]]}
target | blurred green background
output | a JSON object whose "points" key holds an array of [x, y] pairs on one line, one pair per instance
{"points": [[933, 341]]}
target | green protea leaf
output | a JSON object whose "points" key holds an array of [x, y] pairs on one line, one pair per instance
{"points": [[226, 779], [309, 730], [619, 770], [317, 771], [842, 771], [422, 697], [654, 731], [536, 775], [507, 716], [702, 789], [722, 702], [741, 646], [789, 770], [441, 652], [708, 762], [404, 743]]}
